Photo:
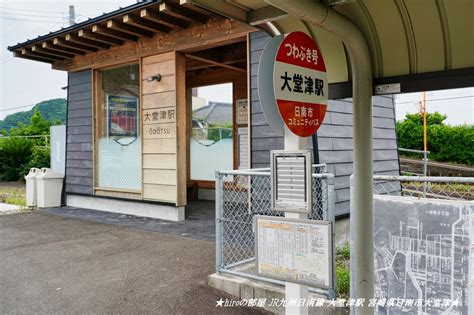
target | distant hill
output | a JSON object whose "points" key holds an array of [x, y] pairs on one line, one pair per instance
{"points": [[52, 110]]}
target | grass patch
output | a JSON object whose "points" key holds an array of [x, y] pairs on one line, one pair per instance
{"points": [[343, 275], [13, 196]]}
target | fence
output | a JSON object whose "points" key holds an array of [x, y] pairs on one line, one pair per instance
{"points": [[240, 195], [448, 188]]}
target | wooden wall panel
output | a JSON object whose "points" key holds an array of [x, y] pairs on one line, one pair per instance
{"points": [[164, 193], [164, 128], [156, 100]]}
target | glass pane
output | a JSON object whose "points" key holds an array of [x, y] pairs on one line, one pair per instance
{"points": [[212, 131], [119, 142]]}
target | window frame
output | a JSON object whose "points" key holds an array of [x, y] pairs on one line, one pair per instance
{"points": [[97, 98]]}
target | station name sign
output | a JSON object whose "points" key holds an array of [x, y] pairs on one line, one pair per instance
{"points": [[293, 85]]}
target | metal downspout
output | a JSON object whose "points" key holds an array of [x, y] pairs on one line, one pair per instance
{"points": [[362, 219]]}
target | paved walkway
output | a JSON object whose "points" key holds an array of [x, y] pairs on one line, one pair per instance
{"points": [[199, 224], [55, 264], [6, 208]]}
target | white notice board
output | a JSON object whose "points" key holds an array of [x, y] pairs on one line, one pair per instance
{"points": [[291, 180], [242, 112], [294, 250]]}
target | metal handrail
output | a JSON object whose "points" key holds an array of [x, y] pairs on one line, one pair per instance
{"points": [[432, 179]]}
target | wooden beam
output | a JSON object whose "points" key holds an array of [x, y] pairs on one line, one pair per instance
{"points": [[113, 33], [100, 38], [129, 29], [28, 52], [20, 55], [205, 36], [51, 46], [39, 49], [199, 67], [129, 19], [61, 42], [182, 13], [161, 18], [86, 41], [212, 62]]}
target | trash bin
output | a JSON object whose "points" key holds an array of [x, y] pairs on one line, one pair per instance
{"points": [[49, 188], [31, 200]]}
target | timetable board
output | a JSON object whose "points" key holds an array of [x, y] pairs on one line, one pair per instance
{"points": [[294, 250], [291, 180]]}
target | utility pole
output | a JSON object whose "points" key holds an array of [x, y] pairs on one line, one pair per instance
{"points": [[72, 15]]}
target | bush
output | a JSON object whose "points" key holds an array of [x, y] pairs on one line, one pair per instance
{"points": [[445, 143], [15, 153], [40, 157]]}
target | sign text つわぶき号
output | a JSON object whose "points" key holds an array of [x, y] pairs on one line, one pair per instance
{"points": [[122, 115], [300, 84]]}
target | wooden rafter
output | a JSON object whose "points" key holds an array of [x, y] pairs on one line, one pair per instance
{"points": [[20, 55], [129, 29], [51, 46], [215, 63], [113, 33], [170, 21], [29, 53], [86, 41], [46, 51], [182, 13], [206, 65], [133, 20], [60, 42], [100, 38]]}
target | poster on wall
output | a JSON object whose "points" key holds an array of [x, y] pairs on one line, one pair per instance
{"points": [[122, 115], [242, 111]]}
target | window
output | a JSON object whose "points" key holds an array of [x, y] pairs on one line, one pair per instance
{"points": [[211, 145], [118, 164]]}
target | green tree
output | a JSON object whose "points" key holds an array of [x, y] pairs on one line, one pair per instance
{"points": [[446, 143], [53, 110]]}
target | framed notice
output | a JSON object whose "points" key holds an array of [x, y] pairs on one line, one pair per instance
{"points": [[122, 116], [294, 250], [291, 180], [242, 111]]}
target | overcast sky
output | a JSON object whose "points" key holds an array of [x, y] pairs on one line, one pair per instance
{"points": [[24, 83]]}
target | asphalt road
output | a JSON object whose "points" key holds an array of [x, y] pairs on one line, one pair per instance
{"points": [[57, 265]]}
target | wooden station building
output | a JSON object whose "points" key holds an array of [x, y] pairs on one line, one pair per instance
{"points": [[138, 127]]}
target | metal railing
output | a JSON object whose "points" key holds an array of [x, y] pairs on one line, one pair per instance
{"points": [[448, 188], [425, 163], [241, 194]]}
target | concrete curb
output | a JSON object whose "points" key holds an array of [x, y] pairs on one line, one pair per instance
{"points": [[243, 288]]}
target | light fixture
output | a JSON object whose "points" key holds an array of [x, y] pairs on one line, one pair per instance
{"points": [[156, 77]]}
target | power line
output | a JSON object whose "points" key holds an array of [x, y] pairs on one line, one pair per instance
{"points": [[7, 109], [37, 11], [37, 21], [436, 99], [34, 15]]}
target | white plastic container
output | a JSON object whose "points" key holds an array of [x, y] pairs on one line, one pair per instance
{"points": [[49, 188], [31, 200]]}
